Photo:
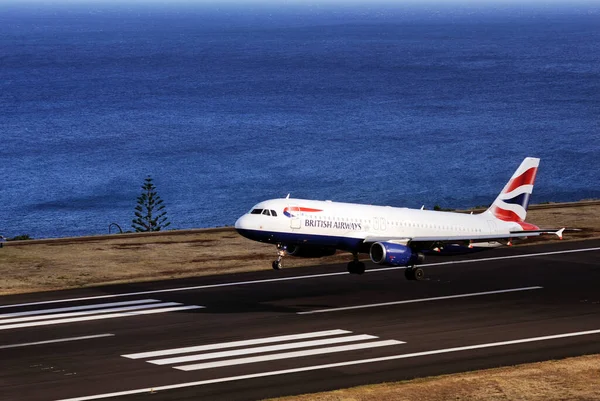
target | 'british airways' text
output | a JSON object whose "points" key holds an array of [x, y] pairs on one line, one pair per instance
{"points": [[340, 225]]}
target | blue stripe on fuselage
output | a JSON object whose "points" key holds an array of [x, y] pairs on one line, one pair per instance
{"points": [[342, 243], [273, 237]]}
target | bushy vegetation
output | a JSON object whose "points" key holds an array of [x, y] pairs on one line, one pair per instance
{"points": [[442, 209], [21, 237]]}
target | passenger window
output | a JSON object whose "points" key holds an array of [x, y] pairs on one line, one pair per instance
{"points": [[273, 213], [256, 211], [266, 212]]}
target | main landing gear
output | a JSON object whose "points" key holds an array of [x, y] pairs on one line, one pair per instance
{"points": [[278, 264], [414, 273], [356, 266]]}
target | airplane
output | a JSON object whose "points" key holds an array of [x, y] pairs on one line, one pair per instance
{"points": [[392, 236]]}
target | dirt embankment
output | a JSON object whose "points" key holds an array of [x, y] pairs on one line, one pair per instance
{"points": [[568, 379], [42, 265]]}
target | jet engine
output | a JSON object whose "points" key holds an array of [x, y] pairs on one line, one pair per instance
{"points": [[310, 251], [390, 254]]}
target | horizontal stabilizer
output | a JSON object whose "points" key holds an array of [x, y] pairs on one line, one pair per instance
{"points": [[554, 231]]}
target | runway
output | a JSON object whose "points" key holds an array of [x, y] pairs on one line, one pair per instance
{"points": [[273, 333]]}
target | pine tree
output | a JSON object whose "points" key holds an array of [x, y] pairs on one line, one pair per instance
{"points": [[149, 212]]}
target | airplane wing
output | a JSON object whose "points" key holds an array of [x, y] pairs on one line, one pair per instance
{"points": [[451, 239]]}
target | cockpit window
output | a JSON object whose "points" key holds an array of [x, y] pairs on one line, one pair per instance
{"points": [[264, 212]]}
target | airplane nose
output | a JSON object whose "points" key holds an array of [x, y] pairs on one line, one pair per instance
{"points": [[239, 224], [243, 227]]}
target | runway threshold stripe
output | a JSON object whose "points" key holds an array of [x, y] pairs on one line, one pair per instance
{"points": [[87, 313], [76, 308], [287, 355], [232, 344], [258, 350], [327, 366], [59, 340], [99, 317], [274, 280], [410, 301]]}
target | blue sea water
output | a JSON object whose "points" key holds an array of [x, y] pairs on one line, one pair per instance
{"points": [[224, 106]]}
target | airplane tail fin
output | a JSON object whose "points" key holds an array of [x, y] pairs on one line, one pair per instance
{"points": [[511, 204]]}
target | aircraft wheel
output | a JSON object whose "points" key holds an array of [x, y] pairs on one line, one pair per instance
{"points": [[360, 268], [352, 267], [276, 265], [409, 273], [356, 267], [418, 273]]}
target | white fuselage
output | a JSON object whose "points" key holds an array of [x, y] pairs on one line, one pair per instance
{"points": [[346, 225]]}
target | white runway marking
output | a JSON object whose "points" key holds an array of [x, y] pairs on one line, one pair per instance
{"points": [[273, 280], [410, 301], [86, 313], [270, 352], [76, 308], [232, 344], [98, 317], [259, 350], [288, 355], [331, 365], [60, 340]]}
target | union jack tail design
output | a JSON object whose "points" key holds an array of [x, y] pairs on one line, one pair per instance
{"points": [[511, 204]]}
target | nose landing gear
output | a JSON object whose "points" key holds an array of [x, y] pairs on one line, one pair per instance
{"points": [[278, 264]]}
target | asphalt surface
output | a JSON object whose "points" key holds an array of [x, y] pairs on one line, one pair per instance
{"points": [[275, 333]]}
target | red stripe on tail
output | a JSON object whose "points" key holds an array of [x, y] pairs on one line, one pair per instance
{"points": [[527, 178], [506, 215]]}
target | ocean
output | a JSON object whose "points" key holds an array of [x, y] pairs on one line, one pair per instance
{"points": [[227, 105]]}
